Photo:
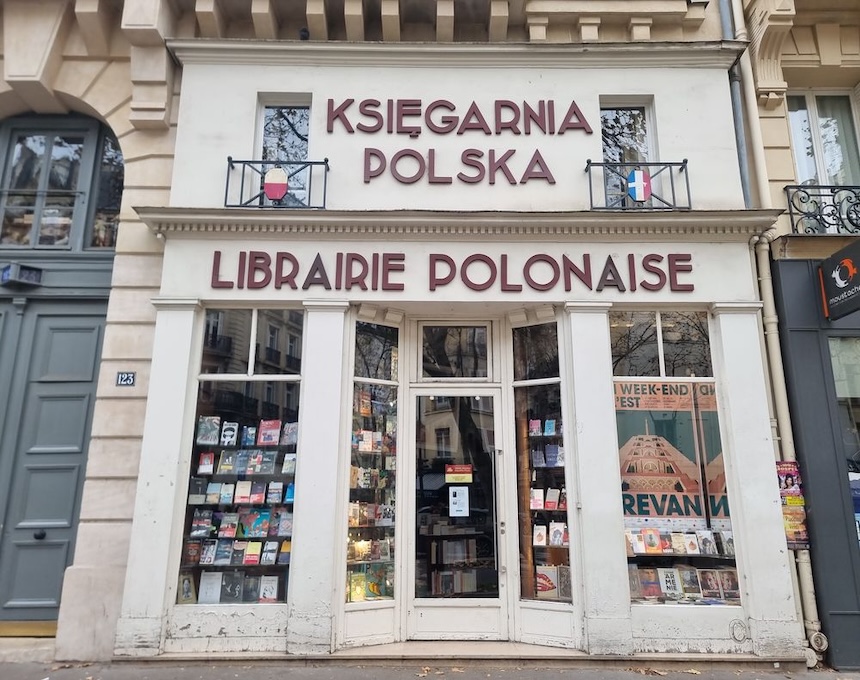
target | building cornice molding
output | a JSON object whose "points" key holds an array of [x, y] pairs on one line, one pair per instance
{"points": [[711, 225], [706, 54]]}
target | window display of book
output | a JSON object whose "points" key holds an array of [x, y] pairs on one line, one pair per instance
{"points": [[544, 529], [239, 517], [371, 507], [670, 566]]}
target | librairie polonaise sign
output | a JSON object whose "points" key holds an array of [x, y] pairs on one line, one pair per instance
{"points": [[840, 282], [505, 272]]}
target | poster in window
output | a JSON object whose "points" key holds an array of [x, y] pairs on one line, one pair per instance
{"points": [[793, 505], [668, 436]]}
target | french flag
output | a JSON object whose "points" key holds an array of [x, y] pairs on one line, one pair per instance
{"points": [[639, 185]]}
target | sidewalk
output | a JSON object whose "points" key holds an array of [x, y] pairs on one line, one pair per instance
{"points": [[265, 670]]}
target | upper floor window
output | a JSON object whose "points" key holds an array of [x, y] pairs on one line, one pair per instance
{"points": [[824, 139], [285, 138], [626, 143], [61, 184]]}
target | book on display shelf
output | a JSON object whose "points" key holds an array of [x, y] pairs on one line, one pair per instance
{"points": [[227, 462], [690, 581], [554, 455], [666, 542], [691, 543], [707, 544], [237, 557], [254, 522], [649, 582], [535, 428], [538, 458], [191, 551], [232, 583], [186, 593], [633, 578], [201, 523], [552, 496], [536, 500], [210, 588], [249, 436], [357, 586], [557, 534], [253, 552], [208, 430], [229, 525], [197, 491], [539, 534], [729, 583], [227, 491], [229, 433], [275, 493], [546, 581], [562, 500], [213, 493], [251, 589], [243, 492], [709, 581], [269, 433], [285, 552], [207, 553], [268, 589], [678, 544], [549, 427], [653, 545], [258, 493], [290, 435], [223, 552], [670, 582], [269, 555], [206, 463]]}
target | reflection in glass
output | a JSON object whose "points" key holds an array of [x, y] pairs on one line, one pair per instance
{"points": [[375, 351], [455, 351], [536, 352], [278, 344], [686, 349], [455, 546], [633, 337], [226, 339], [109, 185], [801, 141]]}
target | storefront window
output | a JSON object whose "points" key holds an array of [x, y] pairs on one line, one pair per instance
{"points": [[845, 359], [680, 545], [541, 488], [455, 351], [237, 539], [373, 468]]}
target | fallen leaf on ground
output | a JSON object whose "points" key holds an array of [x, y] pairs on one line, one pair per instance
{"points": [[457, 670], [693, 671]]}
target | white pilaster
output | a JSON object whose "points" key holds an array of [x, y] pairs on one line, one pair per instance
{"points": [[162, 479], [763, 558], [311, 589], [601, 526]]}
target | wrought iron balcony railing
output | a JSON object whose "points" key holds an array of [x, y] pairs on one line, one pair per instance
{"points": [[638, 186], [306, 184], [823, 209]]}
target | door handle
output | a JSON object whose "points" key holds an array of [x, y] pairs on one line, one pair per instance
{"points": [[40, 534]]}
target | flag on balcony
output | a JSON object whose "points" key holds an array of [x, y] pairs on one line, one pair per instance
{"points": [[275, 184], [639, 185]]}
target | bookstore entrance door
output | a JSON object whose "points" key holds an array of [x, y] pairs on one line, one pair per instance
{"points": [[457, 574]]}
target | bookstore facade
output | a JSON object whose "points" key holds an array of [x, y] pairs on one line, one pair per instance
{"points": [[380, 413]]}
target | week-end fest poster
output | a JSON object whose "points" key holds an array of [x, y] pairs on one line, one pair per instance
{"points": [[669, 441]]}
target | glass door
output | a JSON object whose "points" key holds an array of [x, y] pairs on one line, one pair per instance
{"points": [[458, 578]]}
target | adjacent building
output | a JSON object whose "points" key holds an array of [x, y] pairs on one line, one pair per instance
{"points": [[806, 62]]}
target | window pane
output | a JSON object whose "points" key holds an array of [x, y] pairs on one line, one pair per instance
{"points": [[28, 160], [542, 494], [17, 221], [801, 141], [455, 352], [272, 325], [836, 127], [680, 545], [376, 351], [536, 352], [225, 341], [65, 163], [625, 138], [371, 510], [55, 226], [285, 138], [237, 543], [109, 184], [633, 336], [686, 350]]}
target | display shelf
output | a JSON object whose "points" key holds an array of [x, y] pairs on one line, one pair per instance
{"points": [[239, 516]]}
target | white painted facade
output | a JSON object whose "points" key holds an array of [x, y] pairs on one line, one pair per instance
{"points": [[224, 87]]}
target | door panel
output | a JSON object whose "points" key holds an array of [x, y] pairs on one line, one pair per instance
{"points": [[56, 352], [458, 576]]}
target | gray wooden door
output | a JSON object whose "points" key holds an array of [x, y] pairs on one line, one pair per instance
{"points": [[49, 358]]}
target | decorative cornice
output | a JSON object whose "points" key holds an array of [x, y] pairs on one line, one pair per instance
{"points": [[706, 54], [724, 225]]}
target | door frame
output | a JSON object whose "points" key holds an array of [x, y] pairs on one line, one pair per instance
{"points": [[415, 608]]}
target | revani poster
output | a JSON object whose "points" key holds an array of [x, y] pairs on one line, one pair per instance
{"points": [[670, 455]]}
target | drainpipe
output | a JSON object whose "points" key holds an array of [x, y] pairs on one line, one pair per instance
{"points": [[731, 13]]}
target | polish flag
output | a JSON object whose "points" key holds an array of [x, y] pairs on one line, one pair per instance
{"points": [[275, 184]]}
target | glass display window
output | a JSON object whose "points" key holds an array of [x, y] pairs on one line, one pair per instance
{"points": [[373, 465], [237, 537], [544, 527], [678, 532]]}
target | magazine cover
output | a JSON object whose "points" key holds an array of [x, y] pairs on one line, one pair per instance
{"points": [[208, 430]]}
